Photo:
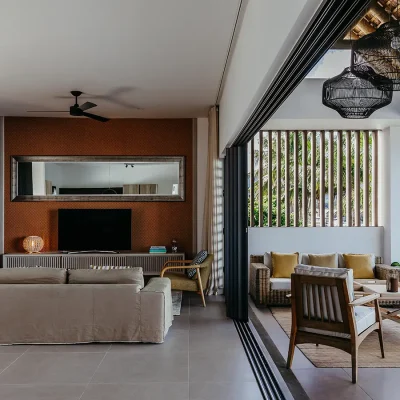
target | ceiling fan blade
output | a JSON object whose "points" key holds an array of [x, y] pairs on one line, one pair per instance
{"points": [[87, 105], [37, 111], [96, 117]]}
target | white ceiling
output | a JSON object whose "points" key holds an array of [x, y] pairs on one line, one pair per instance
{"points": [[164, 56]]}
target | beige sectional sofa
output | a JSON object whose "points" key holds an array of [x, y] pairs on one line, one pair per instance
{"points": [[267, 291], [46, 305]]}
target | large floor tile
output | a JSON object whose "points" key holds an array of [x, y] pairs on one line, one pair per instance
{"points": [[176, 340], [70, 348], [139, 391], [379, 383], [329, 384], [130, 368], [180, 322], [15, 348], [6, 359], [220, 366], [43, 368], [41, 392], [214, 338], [224, 391]]}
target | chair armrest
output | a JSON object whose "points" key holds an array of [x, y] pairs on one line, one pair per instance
{"points": [[178, 267], [178, 262], [366, 299]]}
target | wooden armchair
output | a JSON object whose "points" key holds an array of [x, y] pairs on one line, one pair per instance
{"points": [[324, 313], [180, 281]]}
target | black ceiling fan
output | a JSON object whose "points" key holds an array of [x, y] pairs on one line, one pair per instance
{"points": [[80, 111]]}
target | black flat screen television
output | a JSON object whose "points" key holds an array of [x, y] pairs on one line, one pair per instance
{"points": [[83, 229]]}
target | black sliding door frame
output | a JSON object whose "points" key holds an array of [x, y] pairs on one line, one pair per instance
{"points": [[328, 25], [235, 228]]}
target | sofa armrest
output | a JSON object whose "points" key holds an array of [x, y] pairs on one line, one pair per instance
{"points": [[155, 310], [260, 266], [381, 271], [260, 285]]}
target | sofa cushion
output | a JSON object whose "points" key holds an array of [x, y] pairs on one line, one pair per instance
{"points": [[280, 283], [365, 317], [179, 281], [283, 264], [361, 264], [315, 309], [303, 259], [111, 276], [33, 275], [324, 260]]}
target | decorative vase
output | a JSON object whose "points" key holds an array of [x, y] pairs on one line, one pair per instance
{"points": [[392, 281], [33, 244], [174, 247]]}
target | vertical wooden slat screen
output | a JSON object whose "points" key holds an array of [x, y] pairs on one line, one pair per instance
{"points": [[322, 179], [357, 178], [366, 178], [313, 165], [260, 180], [349, 191], [375, 178], [278, 178], [252, 182], [287, 178], [304, 180], [331, 167], [296, 179], [269, 178], [313, 178], [339, 178]]}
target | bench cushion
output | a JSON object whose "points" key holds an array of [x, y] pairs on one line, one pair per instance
{"points": [[280, 284]]}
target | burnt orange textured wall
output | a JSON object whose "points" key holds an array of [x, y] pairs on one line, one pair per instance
{"points": [[153, 223]]}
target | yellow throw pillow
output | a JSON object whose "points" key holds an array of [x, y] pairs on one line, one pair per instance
{"points": [[323, 260], [283, 264], [360, 264]]}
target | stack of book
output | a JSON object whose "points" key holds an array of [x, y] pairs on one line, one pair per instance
{"points": [[158, 250]]}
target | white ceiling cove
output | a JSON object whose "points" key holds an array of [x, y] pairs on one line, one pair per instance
{"points": [[164, 56]]}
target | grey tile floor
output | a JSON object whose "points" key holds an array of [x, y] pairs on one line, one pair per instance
{"points": [[332, 383], [202, 359]]}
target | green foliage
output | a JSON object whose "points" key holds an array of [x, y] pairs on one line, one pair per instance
{"points": [[278, 173]]}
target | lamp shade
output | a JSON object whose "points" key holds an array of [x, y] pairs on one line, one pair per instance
{"points": [[354, 97], [33, 244], [380, 50]]}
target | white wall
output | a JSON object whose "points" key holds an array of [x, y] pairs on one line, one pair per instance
{"points": [[317, 240], [306, 103], [97, 175], [389, 191], [267, 33], [202, 151]]}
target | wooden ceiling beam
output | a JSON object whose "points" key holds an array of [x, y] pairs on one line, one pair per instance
{"points": [[379, 11]]}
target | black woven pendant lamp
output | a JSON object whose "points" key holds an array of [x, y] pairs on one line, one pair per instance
{"points": [[353, 96], [381, 51], [357, 94]]}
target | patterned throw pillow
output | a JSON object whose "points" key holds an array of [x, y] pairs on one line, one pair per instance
{"points": [[200, 257]]}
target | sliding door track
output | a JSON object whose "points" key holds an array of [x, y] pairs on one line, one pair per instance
{"points": [[263, 373]]}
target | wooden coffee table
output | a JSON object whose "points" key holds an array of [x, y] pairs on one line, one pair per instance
{"points": [[387, 313]]}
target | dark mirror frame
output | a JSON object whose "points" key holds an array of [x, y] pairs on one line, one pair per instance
{"points": [[124, 159]]}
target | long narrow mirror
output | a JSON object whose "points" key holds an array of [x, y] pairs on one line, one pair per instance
{"points": [[97, 178]]}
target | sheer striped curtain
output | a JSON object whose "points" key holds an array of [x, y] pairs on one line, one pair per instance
{"points": [[213, 208]]}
